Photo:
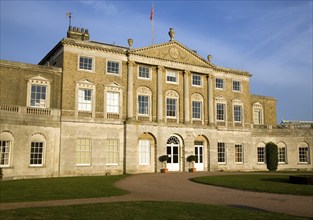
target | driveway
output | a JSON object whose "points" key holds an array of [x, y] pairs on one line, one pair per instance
{"points": [[177, 187]]}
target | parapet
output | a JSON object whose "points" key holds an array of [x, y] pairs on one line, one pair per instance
{"points": [[78, 33]]}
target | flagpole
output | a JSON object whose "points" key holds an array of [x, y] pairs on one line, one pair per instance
{"points": [[152, 21]]}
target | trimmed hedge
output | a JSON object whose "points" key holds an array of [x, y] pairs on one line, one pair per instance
{"points": [[271, 156]]}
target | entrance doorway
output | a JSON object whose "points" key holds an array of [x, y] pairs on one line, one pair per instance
{"points": [[172, 151], [199, 155]]}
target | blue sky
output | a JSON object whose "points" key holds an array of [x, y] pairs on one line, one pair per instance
{"points": [[270, 39]]}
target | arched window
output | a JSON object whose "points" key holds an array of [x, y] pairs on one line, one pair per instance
{"points": [[304, 154], [282, 152], [6, 145], [172, 105], [257, 113], [37, 150], [144, 106], [261, 153], [197, 107]]}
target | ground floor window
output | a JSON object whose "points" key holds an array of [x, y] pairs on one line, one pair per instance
{"points": [[303, 154], [5, 150], [36, 154], [144, 152], [281, 155], [112, 151], [261, 154], [83, 151], [238, 153], [221, 153]]}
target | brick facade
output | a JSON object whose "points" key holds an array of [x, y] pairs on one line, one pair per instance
{"points": [[90, 123]]}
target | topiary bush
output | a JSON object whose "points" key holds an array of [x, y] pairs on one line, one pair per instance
{"points": [[271, 156]]}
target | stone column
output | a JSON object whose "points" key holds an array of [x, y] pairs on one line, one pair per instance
{"points": [[130, 90], [186, 96], [210, 101], [160, 70]]}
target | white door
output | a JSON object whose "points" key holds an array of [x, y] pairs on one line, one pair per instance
{"points": [[173, 157], [199, 156], [172, 151]]}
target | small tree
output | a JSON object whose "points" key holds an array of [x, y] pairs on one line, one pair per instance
{"points": [[163, 159], [191, 159], [271, 156]]}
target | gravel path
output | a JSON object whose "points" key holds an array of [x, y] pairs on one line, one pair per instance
{"points": [[177, 187]]}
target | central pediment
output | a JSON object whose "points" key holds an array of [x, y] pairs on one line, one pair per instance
{"points": [[172, 51]]}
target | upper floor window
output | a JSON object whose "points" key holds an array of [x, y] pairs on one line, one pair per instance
{"points": [[237, 113], [85, 63], [257, 114], [84, 99], [171, 107], [219, 83], [38, 90], [113, 67], [196, 80], [171, 76], [143, 105], [38, 96], [113, 102], [144, 72], [220, 111], [196, 109], [236, 86]]}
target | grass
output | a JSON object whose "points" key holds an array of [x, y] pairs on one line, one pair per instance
{"points": [[59, 188], [271, 183], [143, 210]]}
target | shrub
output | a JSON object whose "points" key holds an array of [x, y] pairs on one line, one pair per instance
{"points": [[271, 156], [163, 158], [191, 158]]}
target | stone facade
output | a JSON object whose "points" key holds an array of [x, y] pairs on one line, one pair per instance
{"points": [[90, 108]]}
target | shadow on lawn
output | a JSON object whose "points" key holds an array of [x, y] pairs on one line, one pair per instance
{"points": [[277, 180]]}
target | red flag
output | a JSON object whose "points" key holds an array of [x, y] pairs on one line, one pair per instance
{"points": [[152, 12]]}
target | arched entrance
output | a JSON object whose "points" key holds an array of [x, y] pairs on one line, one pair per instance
{"points": [[173, 152]]}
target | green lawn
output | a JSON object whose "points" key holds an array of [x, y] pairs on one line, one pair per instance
{"points": [[272, 183], [143, 210], [59, 188]]}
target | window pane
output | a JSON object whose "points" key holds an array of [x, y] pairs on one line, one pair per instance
{"points": [[84, 99], [144, 72], [237, 113], [113, 67], [5, 149], [171, 107], [85, 63], [221, 153], [220, 112], [219, 83], [38, 96], [113, 102], [83, 151], [171, 76], [196, 80], [143, 105], [144, 152], [112, 151], [36, 154], [236, 85], [196, 110]]}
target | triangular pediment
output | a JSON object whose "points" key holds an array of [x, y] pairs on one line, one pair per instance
{"points": [[172, 51]]}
